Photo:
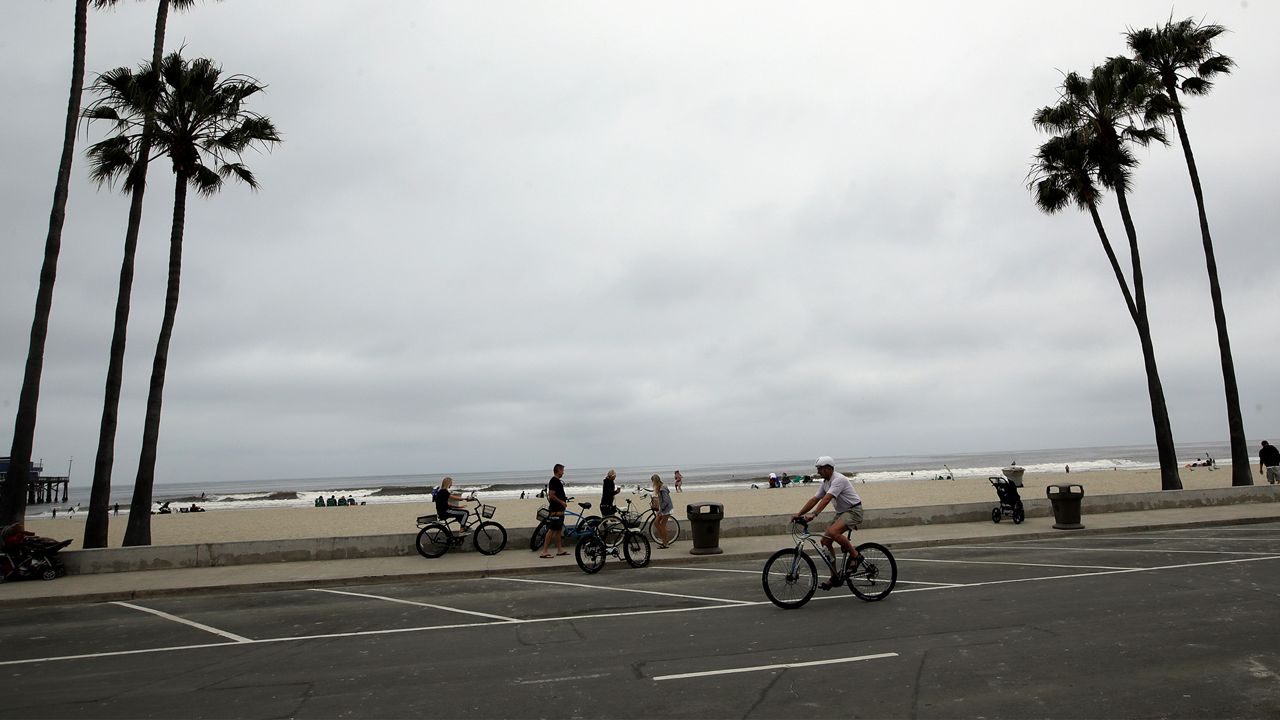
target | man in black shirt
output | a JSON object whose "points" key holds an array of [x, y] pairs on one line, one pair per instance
{"points": [[557, 501], [1269, 462]]}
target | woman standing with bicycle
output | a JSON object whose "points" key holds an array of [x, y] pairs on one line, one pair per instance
{"points": [[662, 507]]}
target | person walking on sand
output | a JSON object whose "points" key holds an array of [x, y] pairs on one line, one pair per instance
{"points": [[557, 501], [1269, 462], [835, 488], [662, 507], [608, 492], [679, 481]]}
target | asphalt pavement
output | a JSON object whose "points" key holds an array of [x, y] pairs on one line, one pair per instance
{"points": [[1175, 620]]}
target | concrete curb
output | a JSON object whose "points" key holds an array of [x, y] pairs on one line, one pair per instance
{"points": [[169, 557]]}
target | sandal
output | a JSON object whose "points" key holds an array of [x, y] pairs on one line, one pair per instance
{"points": [[561, 553], [544, 556]]}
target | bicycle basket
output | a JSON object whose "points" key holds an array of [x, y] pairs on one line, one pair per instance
{"points": [[630, 519], [487, 511], [543, 514]]}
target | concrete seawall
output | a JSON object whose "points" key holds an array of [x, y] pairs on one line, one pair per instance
{"points": [[162, 557]]}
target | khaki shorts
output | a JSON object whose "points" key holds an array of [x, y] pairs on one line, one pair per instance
{"points": [[851, 517], [1273, 474]]}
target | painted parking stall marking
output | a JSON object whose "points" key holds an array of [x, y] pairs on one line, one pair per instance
{"points": [[184, 621], [777, 666], [418, 604]]}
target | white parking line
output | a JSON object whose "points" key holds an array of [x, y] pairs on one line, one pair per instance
{"points": [[627, 590], [175, 618], [999, 562], [778, 666], [414, 602], [1092, 550], [726, 605]]}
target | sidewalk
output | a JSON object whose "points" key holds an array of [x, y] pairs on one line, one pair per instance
{"points": [[519, 560]]}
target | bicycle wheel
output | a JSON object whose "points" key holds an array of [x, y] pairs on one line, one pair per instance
{"points": [[876, 575], [673, 530], [611, 530], [590, 554], [790, 578], [433, 540], [636, 549], [489, 538], [539, 534]]}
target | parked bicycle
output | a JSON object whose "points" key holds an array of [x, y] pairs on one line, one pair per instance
{"points": [[631, 545], [790, 576], [437, 536], [644, 521], [585, 526]]}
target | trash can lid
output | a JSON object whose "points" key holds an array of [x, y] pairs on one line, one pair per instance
{"points": [[707, 507]]}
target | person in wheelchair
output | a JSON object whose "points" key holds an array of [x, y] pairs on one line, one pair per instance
{"points": [[449, 504]]}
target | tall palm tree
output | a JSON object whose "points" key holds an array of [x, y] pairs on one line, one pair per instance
{"points": [[97, 523], [202, 127], [1181, 55], [1098, 119], [13, 490]]}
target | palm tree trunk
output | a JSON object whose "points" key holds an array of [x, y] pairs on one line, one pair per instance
{"points": [[1115, 263], [138, 531], [13, 491], [97, 523], [1241, 470], [1165, 450]]}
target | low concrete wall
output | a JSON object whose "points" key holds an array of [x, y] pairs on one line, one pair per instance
{"points": [[162, 557]]}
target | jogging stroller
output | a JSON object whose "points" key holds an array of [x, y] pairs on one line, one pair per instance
{"points": [[1010, 501], [25, 555]]}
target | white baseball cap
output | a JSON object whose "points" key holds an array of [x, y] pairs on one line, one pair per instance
{"points": [[824, 460]]}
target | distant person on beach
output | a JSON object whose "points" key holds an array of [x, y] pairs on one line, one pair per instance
{"points": [[608, 492], [662, 509], [848, 506], [115, 510], [557, 501], [448, 504], [521, 494], [679, 481], [1269, 462]]}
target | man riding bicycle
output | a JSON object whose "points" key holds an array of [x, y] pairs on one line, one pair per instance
{"points": [[835, 487]]}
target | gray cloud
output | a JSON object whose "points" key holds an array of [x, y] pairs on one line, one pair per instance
{"points": [[623, 235]]}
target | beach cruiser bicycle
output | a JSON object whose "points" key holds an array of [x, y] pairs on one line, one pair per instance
{"points": [[790, 576], [584, 527], [437, 536], [612, 538]]}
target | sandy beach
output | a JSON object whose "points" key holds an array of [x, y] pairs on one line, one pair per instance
{"points": [[287, 523]]}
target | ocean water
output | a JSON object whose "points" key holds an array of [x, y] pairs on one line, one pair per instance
{"points": [[584, 483]]}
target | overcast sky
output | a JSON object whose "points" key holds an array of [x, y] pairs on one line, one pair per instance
{"points": [[502, 235]]}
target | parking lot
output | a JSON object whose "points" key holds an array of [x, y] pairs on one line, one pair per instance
{"points": [[1170, 623]]}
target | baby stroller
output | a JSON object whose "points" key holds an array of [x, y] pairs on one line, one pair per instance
{"points": [[25, 555], [1010, 501]]}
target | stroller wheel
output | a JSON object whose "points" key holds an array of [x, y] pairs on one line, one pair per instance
{"points": [[49, 573], [995, 515], [1018, 515]]}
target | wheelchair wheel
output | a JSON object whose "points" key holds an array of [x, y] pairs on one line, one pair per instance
{"points": [[995, 515]]}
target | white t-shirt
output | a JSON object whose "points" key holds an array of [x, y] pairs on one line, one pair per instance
{"points": [[841, 490]]}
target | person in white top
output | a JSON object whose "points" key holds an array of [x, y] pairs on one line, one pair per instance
{"points": [[848, 506]]}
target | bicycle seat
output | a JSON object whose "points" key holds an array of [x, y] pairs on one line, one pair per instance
{"points": [[585, 506]]}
